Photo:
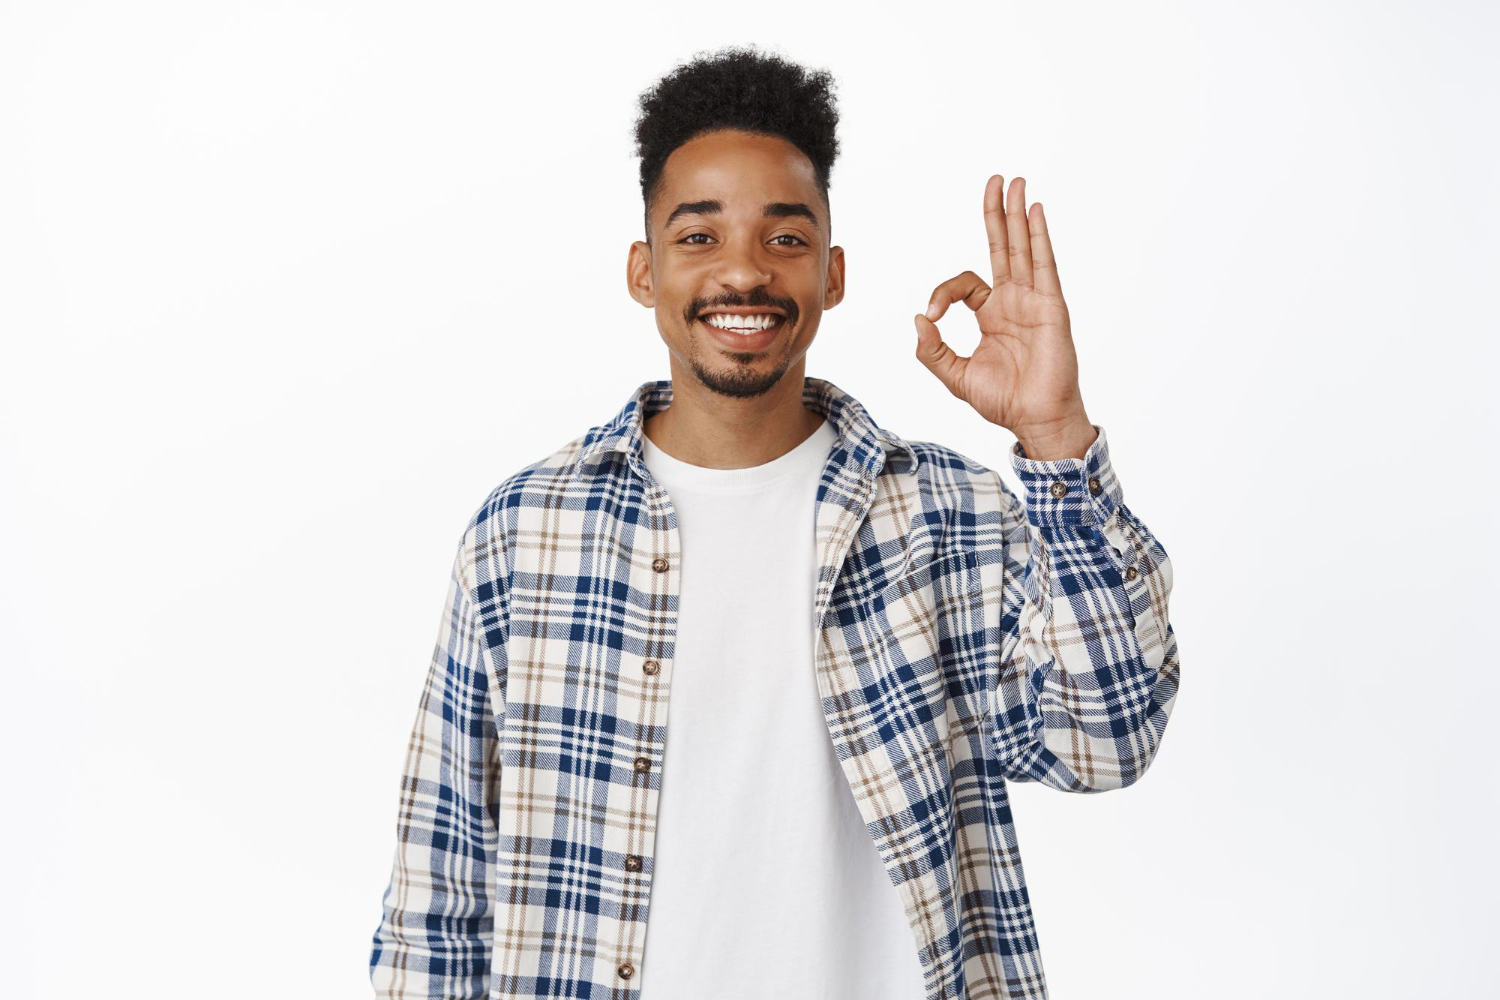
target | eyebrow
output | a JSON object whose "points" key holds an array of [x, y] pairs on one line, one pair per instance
{"points": [[771, 210]]}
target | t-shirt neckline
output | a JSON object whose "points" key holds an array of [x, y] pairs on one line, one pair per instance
{"points": [[812, 450]]}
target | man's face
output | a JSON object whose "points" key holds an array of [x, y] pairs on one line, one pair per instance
{"points": [[739, 239]]}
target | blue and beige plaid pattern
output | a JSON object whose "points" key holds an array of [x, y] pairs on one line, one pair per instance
{"points": [[963, 639]]}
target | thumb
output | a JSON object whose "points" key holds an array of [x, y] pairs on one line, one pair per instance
{"points": [[937, 357]]}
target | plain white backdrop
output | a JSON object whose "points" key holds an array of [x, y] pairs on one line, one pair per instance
{"points": [[287, 288]]}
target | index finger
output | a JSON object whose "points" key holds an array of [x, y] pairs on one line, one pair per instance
{"points": [[968, 288], [994, 226]]}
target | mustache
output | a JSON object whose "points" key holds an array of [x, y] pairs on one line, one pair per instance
{"points": [[755, 300]]}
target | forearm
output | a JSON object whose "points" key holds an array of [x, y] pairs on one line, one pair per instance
{"points": [[1088, 670]]}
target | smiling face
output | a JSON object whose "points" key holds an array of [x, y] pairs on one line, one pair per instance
{"points": [[739, 268]]}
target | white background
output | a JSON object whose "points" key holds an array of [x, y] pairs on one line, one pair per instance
{"points": [[287, 288]]}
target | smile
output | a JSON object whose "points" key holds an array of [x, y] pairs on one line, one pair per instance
{"points": [[741, 324], [743, 332]]}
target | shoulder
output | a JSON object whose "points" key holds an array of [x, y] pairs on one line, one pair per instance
{"points": [[535, 484], [548, 483]]}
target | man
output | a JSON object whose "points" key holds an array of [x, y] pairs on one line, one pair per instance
{"points": [[861, 639]]}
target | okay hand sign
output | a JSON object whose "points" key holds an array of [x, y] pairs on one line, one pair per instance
{"points": [[1023, 375]]}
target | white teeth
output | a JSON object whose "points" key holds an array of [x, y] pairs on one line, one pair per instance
{"points": [[725, 321]]}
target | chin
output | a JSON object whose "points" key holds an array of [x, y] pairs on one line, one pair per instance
{"points": [[741, 381]]}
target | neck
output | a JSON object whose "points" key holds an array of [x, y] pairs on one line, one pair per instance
{"points": [[704, 428]]}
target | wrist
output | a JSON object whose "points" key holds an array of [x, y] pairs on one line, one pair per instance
{"points": [[1070, 439]]}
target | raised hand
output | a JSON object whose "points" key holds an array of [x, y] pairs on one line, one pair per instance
{"points": [[1023, 375]]}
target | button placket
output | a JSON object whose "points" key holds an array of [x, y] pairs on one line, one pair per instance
{"points": [[651, 667]]}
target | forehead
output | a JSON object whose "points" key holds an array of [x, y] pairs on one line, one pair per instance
{"points": [[740, 169]]}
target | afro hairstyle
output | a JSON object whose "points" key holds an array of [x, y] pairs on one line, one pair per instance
{"points": [[737, 88]]}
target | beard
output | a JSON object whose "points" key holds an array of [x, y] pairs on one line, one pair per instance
{"points": [[743, 380]]}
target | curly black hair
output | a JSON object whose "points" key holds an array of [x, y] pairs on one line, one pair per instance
{"points": [[738, 88]]}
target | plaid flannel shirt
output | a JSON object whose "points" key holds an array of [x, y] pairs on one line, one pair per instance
{"points": [[962, 640]]}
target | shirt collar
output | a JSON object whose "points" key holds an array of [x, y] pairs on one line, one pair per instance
{"points": [[866, 443]]}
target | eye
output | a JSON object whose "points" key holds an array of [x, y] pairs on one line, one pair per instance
{"points": [[782, 236]]}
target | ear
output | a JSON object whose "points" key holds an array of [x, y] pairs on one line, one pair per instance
{"points": [[638, 274], [833, 289]]}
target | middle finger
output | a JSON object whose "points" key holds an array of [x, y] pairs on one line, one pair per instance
{"points": [[1018, 233]]}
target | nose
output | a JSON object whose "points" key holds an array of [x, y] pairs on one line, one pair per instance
{"points": [[742, 266]]}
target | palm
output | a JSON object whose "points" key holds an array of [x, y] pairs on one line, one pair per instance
{"points": [[1023, 374], [1024, 362]]}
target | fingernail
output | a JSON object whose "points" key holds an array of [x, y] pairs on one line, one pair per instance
{"points": [[932, 310]]}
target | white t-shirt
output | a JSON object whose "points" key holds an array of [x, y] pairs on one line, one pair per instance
{"points": [[766, 882]]}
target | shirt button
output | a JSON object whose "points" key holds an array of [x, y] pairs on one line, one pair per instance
{"points": [[1059, 489], [1131, 573], [632, 862], [642, 764], [651, 666], [625, 969], [1094, 486], [660, 565]]}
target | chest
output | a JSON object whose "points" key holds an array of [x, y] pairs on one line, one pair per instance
{"points": [[882, 584]]}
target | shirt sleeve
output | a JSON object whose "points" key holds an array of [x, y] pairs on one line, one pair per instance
{"points": [[1088, 660], [436, 932]]}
